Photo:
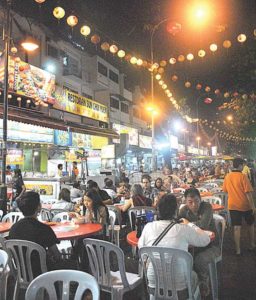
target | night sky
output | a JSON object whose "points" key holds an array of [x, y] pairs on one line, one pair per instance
{"points": [[126, 23]]}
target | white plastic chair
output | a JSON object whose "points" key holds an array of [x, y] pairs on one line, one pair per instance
{"points": [[48, 282], [220, 225], [1, 214], [112, 220], [56, 211], [12, 217], [216, 190], [4, 272], [212, 200], [48, 201], [119, 226], [180, 190], [202, 190], [117, 283], [45, 215], [163, 260], [61, 217], [21, 257], [225, 212]]}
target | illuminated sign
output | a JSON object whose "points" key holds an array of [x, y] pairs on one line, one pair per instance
{"points": [[145, 141], [27, 80], [77, 104], [26, 132], [132, 132]]}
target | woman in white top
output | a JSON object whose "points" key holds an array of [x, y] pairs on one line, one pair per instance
{"points": [[64, 201], [180, 236]]}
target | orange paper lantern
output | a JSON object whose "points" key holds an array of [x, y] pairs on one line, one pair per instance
{"points": [[105, 46]]}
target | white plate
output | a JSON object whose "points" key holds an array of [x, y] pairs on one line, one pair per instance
{"points": [[65, 228]]}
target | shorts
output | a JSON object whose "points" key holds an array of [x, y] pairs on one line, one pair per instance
{"points": [[237, 216]]}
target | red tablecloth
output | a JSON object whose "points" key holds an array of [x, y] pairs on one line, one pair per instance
{"points": [[206, 194], [79, 231], [4, 227], [217, 207], [133, 240]]}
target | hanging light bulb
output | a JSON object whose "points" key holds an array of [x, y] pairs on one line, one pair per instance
{"points": [[133, 60], [139, 62], [58, 12], [85, 30], [14, 50], [158, 76], [40, 1]]}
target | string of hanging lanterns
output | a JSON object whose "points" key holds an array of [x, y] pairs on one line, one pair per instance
{"points": [[201, 53], [225, 134]]}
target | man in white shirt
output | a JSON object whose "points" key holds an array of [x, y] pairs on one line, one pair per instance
{"points": [[180, 236], [75, 191]]}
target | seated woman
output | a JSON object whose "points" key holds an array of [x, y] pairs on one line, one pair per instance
{"points": [[137, 198], [190, 180], [158, 191], [64, 201], [93, 210], [180, 236]]}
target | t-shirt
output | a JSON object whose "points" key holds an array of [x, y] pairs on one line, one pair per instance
{"points": [[237, 184], [104, 195], [178, 237], [31, 229]]}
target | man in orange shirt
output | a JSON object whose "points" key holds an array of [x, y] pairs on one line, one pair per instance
{"points": [[240, 202]]}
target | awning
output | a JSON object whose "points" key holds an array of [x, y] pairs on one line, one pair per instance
{"points": [[33, 117]]}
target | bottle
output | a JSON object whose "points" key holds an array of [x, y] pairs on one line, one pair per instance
{"points": [[122, 200], [143, 219], [138, 224]]}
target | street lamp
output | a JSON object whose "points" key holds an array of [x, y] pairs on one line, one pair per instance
{"points": [[7, 41], [198, 143], [152, 87], [153, 112]]}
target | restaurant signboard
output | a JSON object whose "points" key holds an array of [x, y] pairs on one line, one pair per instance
{"points": [[62, 138], [79, 105], [28, 80], [145, 141]]}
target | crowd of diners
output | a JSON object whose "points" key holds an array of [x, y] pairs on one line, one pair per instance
{"points": [[195, 216]]}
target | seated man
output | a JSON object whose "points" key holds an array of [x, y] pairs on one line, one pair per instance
{"points": [[201, 214], [75, 191], [106, 199], [31, 229]]}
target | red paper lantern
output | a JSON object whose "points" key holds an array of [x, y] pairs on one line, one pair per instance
{"points": [[95, 39], [173, 27], [174, 78], [217, 91], [208, 100], [198, 86]]}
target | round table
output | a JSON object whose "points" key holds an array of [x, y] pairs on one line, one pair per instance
{"points": [[4, 227], [79, 231], [217, 207], [46, 206], [133, 240]]}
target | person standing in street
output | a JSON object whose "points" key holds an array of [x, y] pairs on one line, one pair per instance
{"points": [[240, 202]]}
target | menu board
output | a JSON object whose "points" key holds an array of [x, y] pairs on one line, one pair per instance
{"points": [[77, 104], [28, 80], [132, 132], [42, 189]]}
